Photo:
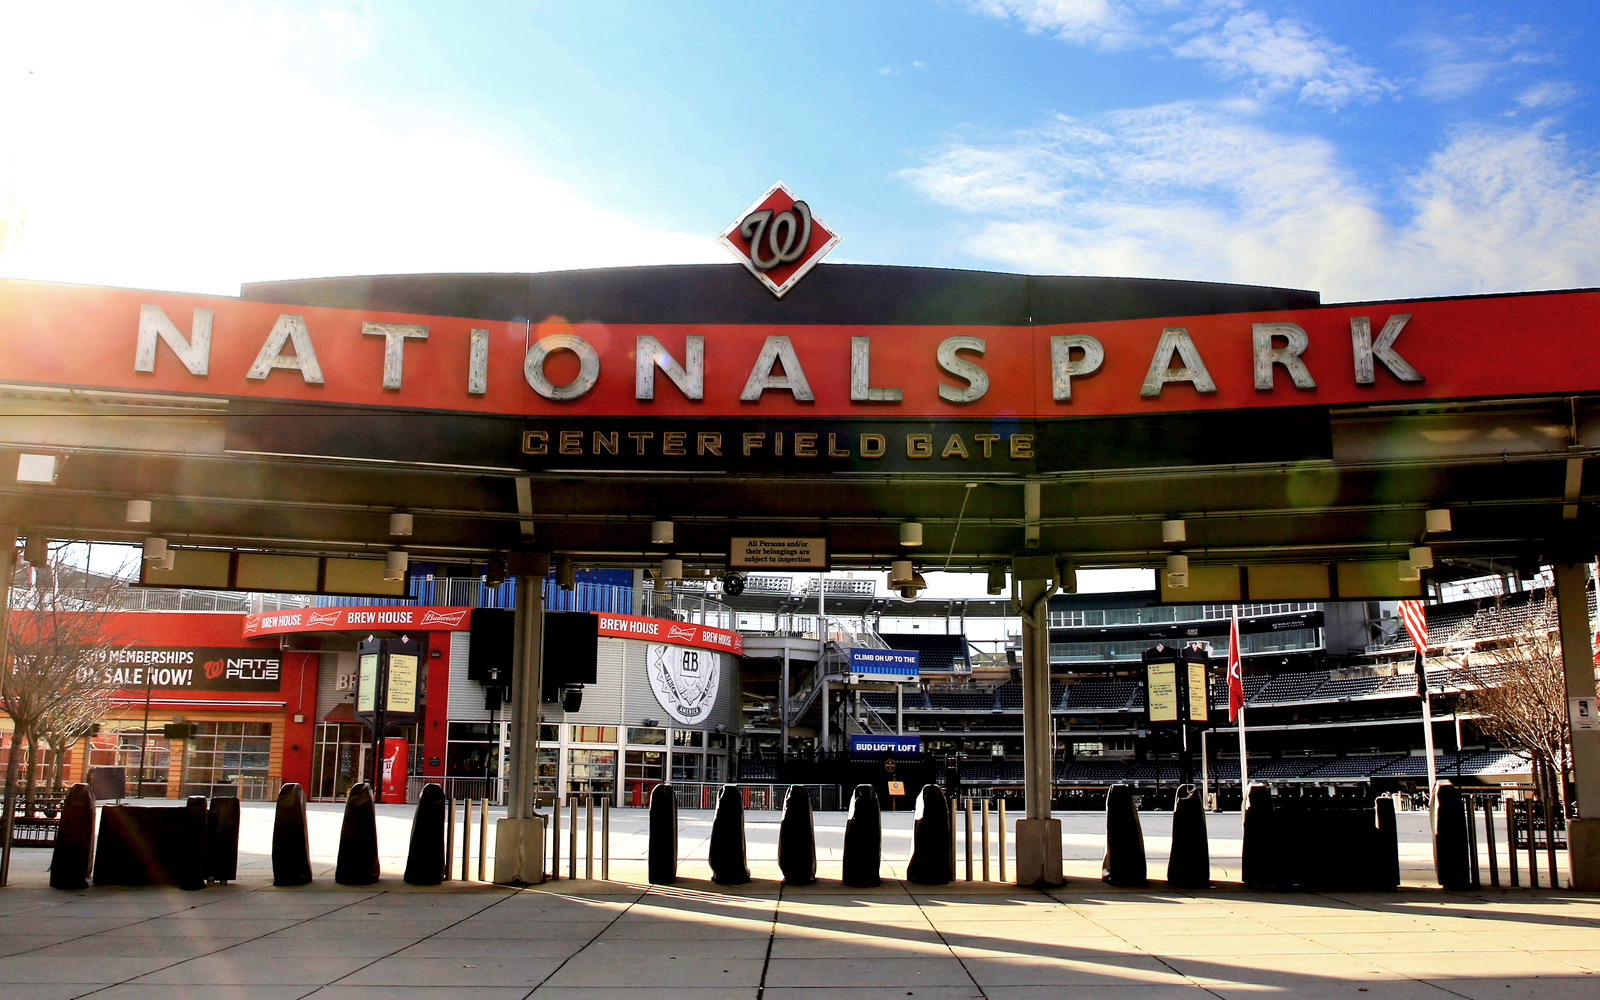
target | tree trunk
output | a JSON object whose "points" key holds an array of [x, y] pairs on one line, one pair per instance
{"points": [[58, 760], [13, 763], [31, 778]]}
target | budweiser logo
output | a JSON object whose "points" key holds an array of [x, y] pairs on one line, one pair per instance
{"points": [[324, 618], [441, 618]]}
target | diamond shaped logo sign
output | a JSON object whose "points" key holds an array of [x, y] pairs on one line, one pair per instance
{"points": [[779, 239]]}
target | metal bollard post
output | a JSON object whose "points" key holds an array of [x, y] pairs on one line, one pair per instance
{"points": [[1511, 841], [1002, 840], [986, 840], [605, 839], [572, 841], [1472, 842], [1533, 848], [1488, 830], [588, 837], [952, 836], [449, 835], [1550, 845], [466, 840], [483, 838], [555, 839], [969, 840]]}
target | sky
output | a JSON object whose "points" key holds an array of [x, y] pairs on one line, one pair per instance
{"points": [[1364, 150]]}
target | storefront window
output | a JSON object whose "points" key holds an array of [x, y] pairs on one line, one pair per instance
{"points": [[688, 738], [545, 779], [714, 767], [341, 756], [230, 759], [594, 734], [648, 737], [592, 770], [685, 767], [124, 752], [642, 771]]}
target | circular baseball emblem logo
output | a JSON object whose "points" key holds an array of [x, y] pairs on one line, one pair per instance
{"points": [[684, 681]]}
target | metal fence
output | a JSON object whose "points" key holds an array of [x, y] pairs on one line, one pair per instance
{"points": [[703, 795], [472, 789]]}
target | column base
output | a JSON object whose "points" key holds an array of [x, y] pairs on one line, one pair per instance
{"points": [[1583, 853], [519, 851], [1039, 852]]}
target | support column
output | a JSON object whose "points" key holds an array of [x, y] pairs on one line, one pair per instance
{"points": [[1038, 835], [1577, 657], [519, 838], [783, 704]]}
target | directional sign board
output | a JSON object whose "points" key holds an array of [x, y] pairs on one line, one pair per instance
{"points": [[883, 664]]}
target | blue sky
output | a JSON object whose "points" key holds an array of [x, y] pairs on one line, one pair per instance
{"points": [[1366, 150]]}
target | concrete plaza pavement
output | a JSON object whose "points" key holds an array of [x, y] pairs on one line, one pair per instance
{"points": [[594, 939]]}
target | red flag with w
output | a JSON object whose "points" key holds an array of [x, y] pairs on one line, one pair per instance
{"points": [[1235, 672], [1416, 623]]}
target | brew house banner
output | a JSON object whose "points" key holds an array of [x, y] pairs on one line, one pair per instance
{"points": [[557, 394]]}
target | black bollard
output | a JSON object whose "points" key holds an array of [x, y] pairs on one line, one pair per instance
{"points": [[1450, 860], [728, 865], [1189, 864], [797, 839], [358, 839], [192, 864], [930, 839], [663, 859], [222, 840], [1124, 863], [1385, 856], [74, 851], [1259, 864], [291, 843], [863, 839], [426, 863]]}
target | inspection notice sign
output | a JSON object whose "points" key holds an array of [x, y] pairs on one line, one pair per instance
{"points": [[778, 553]]}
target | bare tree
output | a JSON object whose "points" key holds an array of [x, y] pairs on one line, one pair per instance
{"points": [[53, 681], [1519, 689]]}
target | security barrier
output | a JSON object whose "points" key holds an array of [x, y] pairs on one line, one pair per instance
{"points": [[358, 839]]}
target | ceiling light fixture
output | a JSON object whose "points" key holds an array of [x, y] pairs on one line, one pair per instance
{"points": [[154, 548], [400, 524], [1421, 556], [661, 533], [1174, 532], [1177, 570], [672, 568], [1437, 521], [396, 564], [911, 534], [138, 512], [36, 469]]}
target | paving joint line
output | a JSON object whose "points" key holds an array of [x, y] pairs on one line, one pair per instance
{"points": [[584, 947], [772, 937], [214, 951], [905, 884]]}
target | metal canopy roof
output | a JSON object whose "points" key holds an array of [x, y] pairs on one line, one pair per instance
{"points": [[1295, 484]]}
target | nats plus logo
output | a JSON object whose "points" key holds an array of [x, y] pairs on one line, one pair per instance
{"points": [[779, 239]]}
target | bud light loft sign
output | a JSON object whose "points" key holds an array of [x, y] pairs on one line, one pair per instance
{"points": [[886, 744], [779, 239], [883, 664]]}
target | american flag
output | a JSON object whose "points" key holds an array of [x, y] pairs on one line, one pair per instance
{"points": [[1416, 622], [1235, 672]]}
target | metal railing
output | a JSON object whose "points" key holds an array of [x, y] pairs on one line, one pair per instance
{"points": [[492, 789], [703, 795]]}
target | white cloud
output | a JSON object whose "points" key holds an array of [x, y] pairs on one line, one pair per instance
{"points": [[1206, 192], [1269, 56], [1548, 94], [1458, 61], [188, 148]]}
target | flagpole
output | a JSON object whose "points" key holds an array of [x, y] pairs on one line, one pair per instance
{"points": [[1427, 726], [1244, 766]]}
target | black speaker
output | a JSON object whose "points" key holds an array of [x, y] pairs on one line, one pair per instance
{"points": [[571, 651], [493, 638], [177, 730]]}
